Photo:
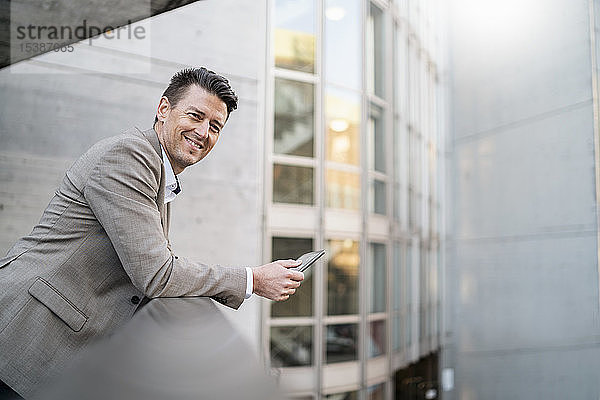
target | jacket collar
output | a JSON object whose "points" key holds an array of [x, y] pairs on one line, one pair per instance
{"points": [[152, 137]]}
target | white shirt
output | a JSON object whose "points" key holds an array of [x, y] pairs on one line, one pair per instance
{"points": [[172, 189]]}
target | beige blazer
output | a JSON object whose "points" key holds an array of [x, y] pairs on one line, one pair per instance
{"points": [[100, 247]]}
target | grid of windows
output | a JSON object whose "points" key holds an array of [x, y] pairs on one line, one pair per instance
{"points": [[355, 167]]}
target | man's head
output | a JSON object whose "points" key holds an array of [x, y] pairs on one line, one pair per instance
{"points": [[191, 113]]}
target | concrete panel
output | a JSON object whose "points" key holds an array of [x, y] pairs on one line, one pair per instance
{"points": [[514, 60], [526, 293], [228, 35], [535, 178], [557, 374]]}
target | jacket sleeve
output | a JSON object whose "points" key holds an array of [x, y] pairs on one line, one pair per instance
{"points": [[122, 192]]}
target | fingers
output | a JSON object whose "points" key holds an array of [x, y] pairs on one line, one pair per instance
{"points": [[293, 285], [296, 275], [289, 263]]}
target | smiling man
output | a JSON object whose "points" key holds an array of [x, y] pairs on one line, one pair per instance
{"points": [[101, 249]]}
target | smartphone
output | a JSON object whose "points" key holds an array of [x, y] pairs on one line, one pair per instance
{"points": [[308, 259]]}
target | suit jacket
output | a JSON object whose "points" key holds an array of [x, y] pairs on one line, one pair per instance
{"points": [[100, 247]]}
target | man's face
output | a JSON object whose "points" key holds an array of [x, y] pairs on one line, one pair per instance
{"points": [[190, 129]]}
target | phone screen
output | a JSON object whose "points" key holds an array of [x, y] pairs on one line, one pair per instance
{"points": [[308, 259]]}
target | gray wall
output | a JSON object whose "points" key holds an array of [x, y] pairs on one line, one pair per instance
{"points": [[52, 109], [523, 260]]}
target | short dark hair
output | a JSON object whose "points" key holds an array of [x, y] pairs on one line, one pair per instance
{"points": [[208, 80]]}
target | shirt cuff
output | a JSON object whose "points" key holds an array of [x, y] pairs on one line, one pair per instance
{"points": [[249, 283]]}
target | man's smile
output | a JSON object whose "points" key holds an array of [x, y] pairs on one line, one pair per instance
{"points": [[193, 143]]}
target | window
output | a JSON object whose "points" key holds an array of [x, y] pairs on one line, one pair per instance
{"points": [[341, 343], [375, 51], [294, 45], [342, 179], [301, 303], [378, 278], [291, 346], [294, 118], [293, 184], [343, 25], [342, 277], [377, 161], [376, 345]]}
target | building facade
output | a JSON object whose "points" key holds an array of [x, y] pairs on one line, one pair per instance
{"points": [[354, 164]]}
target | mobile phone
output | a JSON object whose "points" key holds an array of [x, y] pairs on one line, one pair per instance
{"points": [[308, 259]]}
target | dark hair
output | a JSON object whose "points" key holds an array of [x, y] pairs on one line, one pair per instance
{"points": [[206, 79]]}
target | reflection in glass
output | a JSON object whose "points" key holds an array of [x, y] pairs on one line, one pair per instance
{"points": [[374, 48], [342, 110], [343, 189], [396, 332], [341, 343], [377, 274], [292, 184], [397, 290], [291, 346], [376, 392], [342, 277], [408, 296], [342, 25], [300, 304], [294, 122], [376, 140], [343, 396], [378, 197], [376, 345], [294, 45]]}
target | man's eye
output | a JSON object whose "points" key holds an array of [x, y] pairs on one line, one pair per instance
{"points": [[195, 116], [215, 128]]}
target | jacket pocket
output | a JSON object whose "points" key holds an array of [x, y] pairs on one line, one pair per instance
{"points": [[58, 304]]}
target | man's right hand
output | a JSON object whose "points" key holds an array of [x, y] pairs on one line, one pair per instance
{"points": [[275, 281]]}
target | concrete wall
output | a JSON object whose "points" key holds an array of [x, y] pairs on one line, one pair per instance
{"points": [[53, 108], [523, 263]]}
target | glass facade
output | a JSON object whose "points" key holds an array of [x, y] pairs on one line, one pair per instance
{"points": [[355, 169]]}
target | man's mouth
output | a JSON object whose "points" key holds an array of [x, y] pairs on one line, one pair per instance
{"points": [[194, 144]]}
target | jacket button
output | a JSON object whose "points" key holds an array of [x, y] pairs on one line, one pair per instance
{"points": [[135, 299]]}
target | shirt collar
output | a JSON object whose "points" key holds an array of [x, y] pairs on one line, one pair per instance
{"points": [[172, 186]]}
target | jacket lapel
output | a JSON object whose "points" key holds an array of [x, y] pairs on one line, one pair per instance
{"points": [[152, 137]]}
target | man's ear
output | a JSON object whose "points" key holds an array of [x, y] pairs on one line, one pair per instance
{"points": [[164, 107]]}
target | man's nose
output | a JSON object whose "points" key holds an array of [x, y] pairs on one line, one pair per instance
{"points": [[202, 129]]}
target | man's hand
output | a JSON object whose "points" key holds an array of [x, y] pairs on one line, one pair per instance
{"points": [[276, 281]]}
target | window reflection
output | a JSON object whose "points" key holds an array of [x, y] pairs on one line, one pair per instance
{"points": [[376, 345], [342, 25], [343, 396], [397, 333], [377, 147], [295, 35], [291, 346], [378, 197], [342, 109], [292, 184], [301, 303], [343, 189], [397, 278], [374, 49], [341, 343], [294, 122], [376, 392], [408, 296], [342, 277], [377, 275]]}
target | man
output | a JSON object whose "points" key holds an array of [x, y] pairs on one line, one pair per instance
{"points": [[101, 248]]}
